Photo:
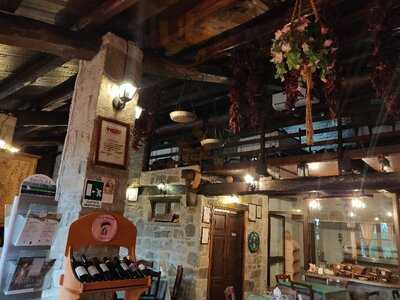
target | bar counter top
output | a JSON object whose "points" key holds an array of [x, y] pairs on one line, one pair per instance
{"points": [[391, 285]]}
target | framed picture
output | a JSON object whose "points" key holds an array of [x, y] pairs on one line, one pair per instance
{"points": [[259, 212], [205, 235], [112, 143], [206, 215], [252, 212]]}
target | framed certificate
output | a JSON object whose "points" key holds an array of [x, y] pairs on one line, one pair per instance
{"points": [[205, 235], [252, 212], [259, 212], [206, 215], [112, 143]]}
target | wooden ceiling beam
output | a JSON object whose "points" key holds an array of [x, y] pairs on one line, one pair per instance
{"points": [[39, 36], [40, 118], [262, 26], [161, 67], [56, 97], [102, 14], [389, 181], [9, 5], [28, 73], [205, 20]]}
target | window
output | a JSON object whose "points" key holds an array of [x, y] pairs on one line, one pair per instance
{"points": [[354, 229]]}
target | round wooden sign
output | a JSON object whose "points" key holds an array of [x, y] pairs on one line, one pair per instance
{"points": [[104, 228], [253, 241]]}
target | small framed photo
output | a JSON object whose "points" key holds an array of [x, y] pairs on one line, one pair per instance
{"points": [[112, 143], [206, 218], [205, 235], [252, 212], [259, 212]]}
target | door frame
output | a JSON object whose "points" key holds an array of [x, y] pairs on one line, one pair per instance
{"points": [[210, 247], [275, 259]]}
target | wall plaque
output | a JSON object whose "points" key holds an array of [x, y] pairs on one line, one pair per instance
{"points": [[112, 143]]}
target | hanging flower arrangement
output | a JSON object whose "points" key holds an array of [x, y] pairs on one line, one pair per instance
{"points": [[302, 51]]}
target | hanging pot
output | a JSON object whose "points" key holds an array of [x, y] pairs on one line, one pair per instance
{"points": [[182, 116], [210, 143]]}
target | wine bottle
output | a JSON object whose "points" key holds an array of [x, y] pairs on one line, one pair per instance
{"points": [[93, 272], [79, 270], [123, 268], [133, 267], [103, 269], [115, 272]]}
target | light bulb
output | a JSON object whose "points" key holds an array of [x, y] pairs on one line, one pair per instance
{"points": [[2, 144], [126, 91], [249, 179], [315, 204]]}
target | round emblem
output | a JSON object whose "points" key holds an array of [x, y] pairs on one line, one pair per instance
{"points": [[104, 228], [253, 241]]}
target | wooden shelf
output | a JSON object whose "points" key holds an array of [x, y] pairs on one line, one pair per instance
{"points": [[80, 235]]}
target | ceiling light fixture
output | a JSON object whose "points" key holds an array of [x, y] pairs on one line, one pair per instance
{"points": [[315, 204]]}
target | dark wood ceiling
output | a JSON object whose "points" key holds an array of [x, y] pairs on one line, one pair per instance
{"points": [[196, 37]]}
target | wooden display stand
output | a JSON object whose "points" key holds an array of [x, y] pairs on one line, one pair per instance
{"points": [[80, 235]]}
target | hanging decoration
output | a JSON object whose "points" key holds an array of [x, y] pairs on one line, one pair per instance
{"points": [[145, 125], [247, 89], [302, 51], [384, 61]]}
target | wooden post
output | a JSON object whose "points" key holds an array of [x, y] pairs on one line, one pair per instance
{"points": [[396, 221]]}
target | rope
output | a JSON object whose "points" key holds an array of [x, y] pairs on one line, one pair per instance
{"points": [[297, 11], [309, 118], [315, 10]]}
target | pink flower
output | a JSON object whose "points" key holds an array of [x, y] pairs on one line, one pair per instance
{"points": [[305, 47], [324, 30], [278, 34], [278, 57], [328, 43], [286, 47], [302, 24], [286, 28]]}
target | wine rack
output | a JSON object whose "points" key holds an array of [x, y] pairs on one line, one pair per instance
{"points": [[81, 235]]}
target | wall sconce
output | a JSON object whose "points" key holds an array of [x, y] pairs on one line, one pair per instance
{"points": [[132, 193], [162, 187], [384, 164], [126, 92], [251, 183], [315, 204]]}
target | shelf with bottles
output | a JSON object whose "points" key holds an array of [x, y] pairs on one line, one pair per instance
{"points": [[87, 275]]}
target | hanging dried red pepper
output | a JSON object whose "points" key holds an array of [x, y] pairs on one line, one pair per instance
{"points": [[383, 76]]}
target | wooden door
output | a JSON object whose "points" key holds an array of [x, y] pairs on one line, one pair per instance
{"points": [[226, 265]]}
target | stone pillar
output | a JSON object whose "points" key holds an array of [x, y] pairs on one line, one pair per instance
{"points": [[93, 95]]}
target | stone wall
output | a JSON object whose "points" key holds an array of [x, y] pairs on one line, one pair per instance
{"points": [[170, 245], [255, 276]]}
